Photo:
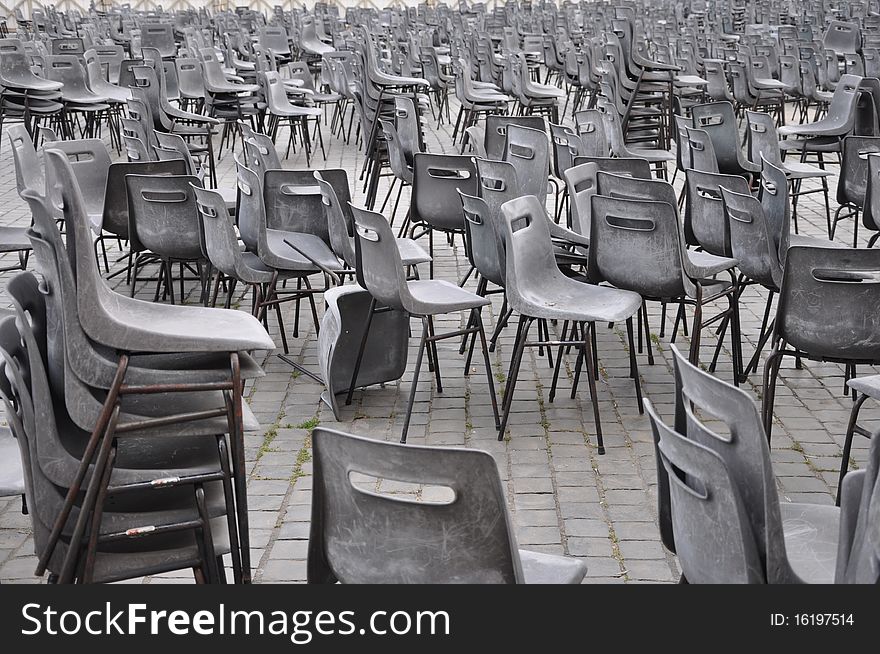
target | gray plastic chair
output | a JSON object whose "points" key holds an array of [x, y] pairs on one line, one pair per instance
{"points": [[701, 150], [853, 181], [383, 275], [33, 422], [281, 109], [436, 179], [333, 183], [254, 234], [713, 540], [796, 542], [139, 459], [698, 269], [359, 537], [591, 133], [619, 148], [132, 325], [496, 131], [164, 220], [704, 221], [538, 290], [858, 559], [296, 234], [223, 252], [825, 135], [718, 120], [528, 150], [842, 281], [763, 142]]}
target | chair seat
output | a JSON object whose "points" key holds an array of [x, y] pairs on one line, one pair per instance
{"points": [[435, 296], [798, 170], [813, 241], [411, 253], [136, 408], [295, 111], [88, 107], [817, 144], [256, 271], [11, 475], [204, 368], [291, 259], [568, 299], [139, 326], [768, 84], [691, 80], [822, 128], [544, 91], [811, 535], [31, 83], [540, 568], [869, 385], [14, 239], [706, 265], [653, 156]]}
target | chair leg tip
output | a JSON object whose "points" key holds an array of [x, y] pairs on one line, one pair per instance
{"points": [[601, 449]]}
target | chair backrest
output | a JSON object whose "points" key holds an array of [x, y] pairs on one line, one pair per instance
{"points": [[189, 77], [485, 248], [276, 96], [112, 57], [436, 178], [713, 541], [218, 232], [530, 266], [702, 150], [261, 153], [761, 138], [163, 216], [790, 74], [858, 558], [566, 146], [852, 183], [159, 36], [90, 161], [359, 536], [840, 283], [842, 37], [871, 207], [396, 156], [115, 219], [591, 132], [28, 169], [751, 242], [842, 110], [742, 443], [250, 213], [773, 193], [175, 143], [634, 245], [67, 69], [293, 203], [406, 122], [529, 151], [496, 131], [380, 264], [336, 196], [704, 220]]}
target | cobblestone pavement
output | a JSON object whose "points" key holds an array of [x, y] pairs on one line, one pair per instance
{"points": [[564, 496]]}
